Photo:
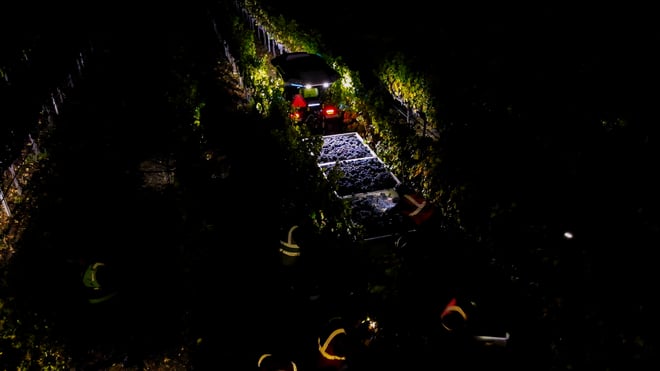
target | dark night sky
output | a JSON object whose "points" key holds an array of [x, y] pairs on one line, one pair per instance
{"points": [[516, 49]]}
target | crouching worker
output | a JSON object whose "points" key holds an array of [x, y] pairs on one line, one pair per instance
{"points": [[414, 206], [270, 362], [333, 344], [461, 316], [289, 248], [344, 345], [99, 281]]}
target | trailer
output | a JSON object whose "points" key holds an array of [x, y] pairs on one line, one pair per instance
{"points": [[367, 184]]}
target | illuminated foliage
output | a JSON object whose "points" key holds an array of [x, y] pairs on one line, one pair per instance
{"points": [[284, 31], [407, 86], [305, 191], [25, 343]]}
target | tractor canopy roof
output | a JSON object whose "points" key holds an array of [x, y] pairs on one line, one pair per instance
{"points": [[302, 69]]}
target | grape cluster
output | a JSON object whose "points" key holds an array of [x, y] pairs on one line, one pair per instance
{"points": [[343, 147], [377, 213], [361, 176], [365, 180]]}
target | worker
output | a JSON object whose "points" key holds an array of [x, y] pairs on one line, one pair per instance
{"points": [[455, 315], [98, 282], [413, 205], [298, 108], [295, 274], [462, 317], [298, 101], [270, 362], [344, 344], [289, 248], [333, 343]]}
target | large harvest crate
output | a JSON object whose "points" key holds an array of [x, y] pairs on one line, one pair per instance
{"points": [[366, 182], [342, 147], [363, 172], [363, 175]]}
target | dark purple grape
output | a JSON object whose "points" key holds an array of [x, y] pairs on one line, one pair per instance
{"points": [[342, 147]]}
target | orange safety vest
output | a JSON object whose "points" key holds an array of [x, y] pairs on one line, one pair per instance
{"points": [[328, 354], [456, 315], [267, 362], [416, 208]]}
